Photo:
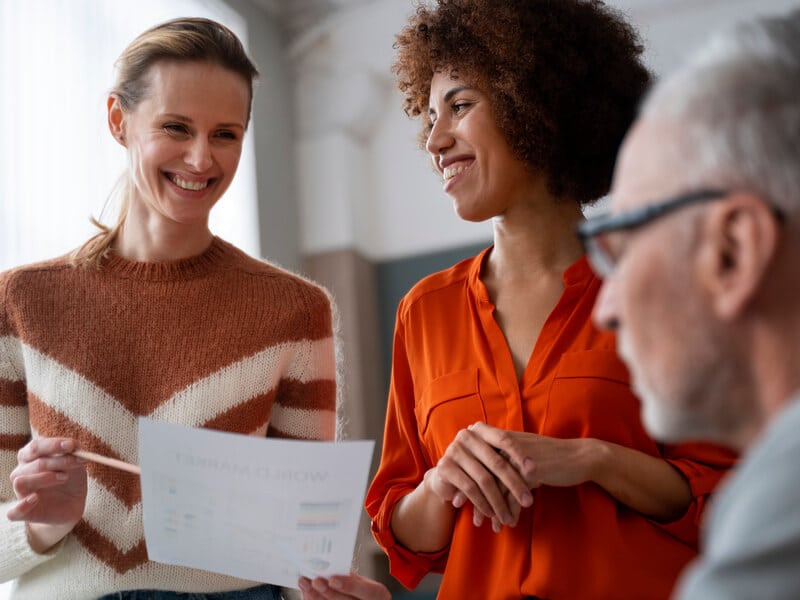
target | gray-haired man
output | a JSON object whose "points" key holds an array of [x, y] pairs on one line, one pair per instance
{"points": [[701, 263]]}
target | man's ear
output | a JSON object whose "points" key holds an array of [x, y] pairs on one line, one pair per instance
{"points": [[740, 235], [116, 119]]}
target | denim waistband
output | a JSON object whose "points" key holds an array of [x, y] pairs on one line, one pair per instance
{"points": [[261, 592]]}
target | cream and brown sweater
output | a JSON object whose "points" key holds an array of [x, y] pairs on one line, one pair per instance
{"points": [[221, 340]]}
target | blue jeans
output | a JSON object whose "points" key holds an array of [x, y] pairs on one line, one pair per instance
{"points": [[261, 592]]}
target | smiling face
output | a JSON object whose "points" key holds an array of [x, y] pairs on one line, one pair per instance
{"points": [[479, 169], [184, 139]]}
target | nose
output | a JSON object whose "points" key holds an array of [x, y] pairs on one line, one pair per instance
{"points": [[606, 313], [439, 139], [198, 155]]}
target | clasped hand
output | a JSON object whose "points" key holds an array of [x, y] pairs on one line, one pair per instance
{"points": [[496, 469]]}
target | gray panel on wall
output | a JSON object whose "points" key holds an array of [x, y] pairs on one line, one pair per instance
{"points": [[396, 277]]}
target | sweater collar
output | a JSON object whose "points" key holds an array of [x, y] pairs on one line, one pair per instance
{"points": [[185, 268]]}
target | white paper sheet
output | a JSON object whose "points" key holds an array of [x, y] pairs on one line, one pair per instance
{"points": [[257, 508]]}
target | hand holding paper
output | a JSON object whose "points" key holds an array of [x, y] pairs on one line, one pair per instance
{"points": [[257, 508]]}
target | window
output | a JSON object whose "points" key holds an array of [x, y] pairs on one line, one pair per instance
{"points": [[58, 162]]}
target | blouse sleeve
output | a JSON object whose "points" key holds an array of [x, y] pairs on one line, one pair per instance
{"points": [[703, 465], [403, 465]]}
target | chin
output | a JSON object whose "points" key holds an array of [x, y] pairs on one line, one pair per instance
{"points": [[672, 423]]}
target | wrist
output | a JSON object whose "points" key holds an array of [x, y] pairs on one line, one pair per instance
{"points": [[596, 458], [427, 491], [42, 537]]}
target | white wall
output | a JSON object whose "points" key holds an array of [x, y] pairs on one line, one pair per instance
{"points": [[362, 181]]}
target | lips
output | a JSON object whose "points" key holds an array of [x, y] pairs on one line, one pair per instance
{"points": [[452, 168], [189, 185]]}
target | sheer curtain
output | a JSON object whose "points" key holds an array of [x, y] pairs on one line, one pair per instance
{"points": [[58, 162]]}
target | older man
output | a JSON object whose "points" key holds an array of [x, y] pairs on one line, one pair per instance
{"points": [[701, 264]]}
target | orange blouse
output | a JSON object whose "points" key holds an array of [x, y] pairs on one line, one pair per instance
{"points": [[451, 367]]}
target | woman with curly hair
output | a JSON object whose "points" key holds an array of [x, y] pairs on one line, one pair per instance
{"points": [[514, 459]]}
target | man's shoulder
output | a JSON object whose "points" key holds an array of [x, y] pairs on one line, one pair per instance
{"points": [[751, 546]]}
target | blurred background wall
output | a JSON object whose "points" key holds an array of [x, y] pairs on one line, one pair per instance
{"points": [[332, 183]]}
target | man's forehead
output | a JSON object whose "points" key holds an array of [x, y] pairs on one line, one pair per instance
{"points": [[649, 166]]}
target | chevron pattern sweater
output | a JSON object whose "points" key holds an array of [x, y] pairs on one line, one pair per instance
{"points": [[220, 340]]}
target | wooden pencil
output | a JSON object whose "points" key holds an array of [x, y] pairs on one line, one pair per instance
{"points": [[110, 462]]}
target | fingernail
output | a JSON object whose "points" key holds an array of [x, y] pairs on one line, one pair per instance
{"points": [[62, 476], [335, 583], [496, 527], [304, 584], [527, 499], [66, 445]]}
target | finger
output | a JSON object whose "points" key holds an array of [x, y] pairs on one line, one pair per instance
{"points": [[478, 517], [355, 586], [460, 470], [322, 587], [46, 464], [21, 509], [497, 526], [29, 484], [516, 509], [496, 453], [45, 447], [507, 477], [309, 593]]}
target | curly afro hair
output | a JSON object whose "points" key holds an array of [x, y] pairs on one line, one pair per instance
{"points": [[564, 78]]}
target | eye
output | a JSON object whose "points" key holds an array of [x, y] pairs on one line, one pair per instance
{"points": [[460, 107], [227, 135], [176, 129]]}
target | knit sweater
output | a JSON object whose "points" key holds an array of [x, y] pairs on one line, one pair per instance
{"points": [[220, 340]]}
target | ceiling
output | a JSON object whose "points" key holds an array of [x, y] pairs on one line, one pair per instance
{"points": [[298, 16]]}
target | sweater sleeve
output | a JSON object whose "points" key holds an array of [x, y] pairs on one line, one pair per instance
{"points": [[402, 467], [306, 399], [16, 555], [704, 465]]}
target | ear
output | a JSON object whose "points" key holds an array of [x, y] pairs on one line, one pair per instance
{"points": [[740, 236], [116, 119]]}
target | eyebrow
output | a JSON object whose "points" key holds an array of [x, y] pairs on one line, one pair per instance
{"points": [[448, 96], [186, 119]]}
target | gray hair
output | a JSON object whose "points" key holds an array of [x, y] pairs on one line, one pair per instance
{"points": [[736, 111]]}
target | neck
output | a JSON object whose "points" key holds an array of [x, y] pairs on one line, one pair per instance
{"points": [[152, 238], [775, 354], [535, 238]]}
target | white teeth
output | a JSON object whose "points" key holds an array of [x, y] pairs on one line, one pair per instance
{"points": [[451, 172], [195, 186]]}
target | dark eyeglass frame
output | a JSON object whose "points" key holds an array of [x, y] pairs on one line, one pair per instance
{"points": [[591, 229]]}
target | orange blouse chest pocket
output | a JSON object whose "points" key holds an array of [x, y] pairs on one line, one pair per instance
{"points": [[448, 404], [591, 397]]}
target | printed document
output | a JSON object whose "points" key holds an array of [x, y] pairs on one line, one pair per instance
{"points": [[263, 509]]}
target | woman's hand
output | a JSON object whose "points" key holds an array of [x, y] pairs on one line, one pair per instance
{"points": [[343, 587], [647, 484], [50, 484], [541, 460], [473, 470]]}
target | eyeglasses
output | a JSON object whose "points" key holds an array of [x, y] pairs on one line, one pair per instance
{"points": [[599, 245]]}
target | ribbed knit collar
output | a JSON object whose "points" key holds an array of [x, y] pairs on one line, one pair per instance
{"points": [[214, 256]]}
